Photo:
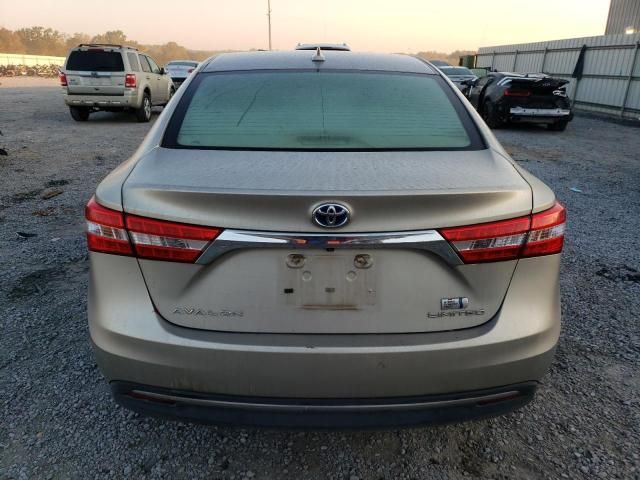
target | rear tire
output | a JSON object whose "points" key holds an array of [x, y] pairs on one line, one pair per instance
{"points": [[560, 126], [79, 114], [143, 114], [490, 116]]}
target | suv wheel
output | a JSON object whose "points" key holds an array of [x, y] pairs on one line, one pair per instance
{"points": [[79, 114], [143, 114]]}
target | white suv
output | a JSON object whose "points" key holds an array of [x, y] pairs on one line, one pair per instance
{"points": [[113, 78]]}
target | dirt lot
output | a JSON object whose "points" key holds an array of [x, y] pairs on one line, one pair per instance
{"points": [[58, 419]]}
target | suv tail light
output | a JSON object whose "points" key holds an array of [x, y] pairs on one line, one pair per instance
{"points": [[110, 231], [535, 235], [63, 79], [130, 80]]}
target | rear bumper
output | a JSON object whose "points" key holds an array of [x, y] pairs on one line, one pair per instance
{"points": [[314, 413], [542, 115], [134, 345], [128, 100]]}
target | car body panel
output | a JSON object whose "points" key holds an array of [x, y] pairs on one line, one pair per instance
{"points": [[210, 186], [386, 191], [304, 59], [134, 343]]}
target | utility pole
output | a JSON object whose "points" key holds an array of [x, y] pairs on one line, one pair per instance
{"points": [[269, 17]]}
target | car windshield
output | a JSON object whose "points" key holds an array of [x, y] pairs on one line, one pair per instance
{"points": [[312, 110], [457, 71], [182, 64], [95, 60]]}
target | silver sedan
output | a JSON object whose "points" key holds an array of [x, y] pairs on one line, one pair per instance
{"points": [[323, 239]]}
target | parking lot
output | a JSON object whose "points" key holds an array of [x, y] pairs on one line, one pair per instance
{"points": [[58, 418]]}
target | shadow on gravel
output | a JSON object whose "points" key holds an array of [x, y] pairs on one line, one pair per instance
{"points": [[47, 280], [622, 273], [115, 118]]}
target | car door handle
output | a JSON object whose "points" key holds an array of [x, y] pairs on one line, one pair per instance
{"points": [[148, 78]]}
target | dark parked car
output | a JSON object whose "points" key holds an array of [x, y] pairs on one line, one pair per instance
{"points": [[513, 97]]}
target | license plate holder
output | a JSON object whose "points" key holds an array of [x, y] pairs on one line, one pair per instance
{"points": [[331, 281]]}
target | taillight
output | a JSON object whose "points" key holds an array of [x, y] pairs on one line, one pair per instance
{"points": [[110, 231], [517, 93], [547, 232], [160, 240], [63, 79], [130, 80], [530, 236], [105, 230], [190, 70]]}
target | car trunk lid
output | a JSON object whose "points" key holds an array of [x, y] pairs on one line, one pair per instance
{"points": [[322, 288]]}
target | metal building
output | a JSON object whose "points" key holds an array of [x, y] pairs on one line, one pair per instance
{"points": [[624, 17]]}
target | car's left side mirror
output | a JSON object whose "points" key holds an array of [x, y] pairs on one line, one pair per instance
{"points": [[162, 71]]}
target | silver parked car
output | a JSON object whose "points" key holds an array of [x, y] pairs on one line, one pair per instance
{"points": [[462, 77], [179, 70], [113, 78], [323, 240]]}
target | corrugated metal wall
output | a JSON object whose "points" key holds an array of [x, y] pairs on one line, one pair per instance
{"points": [[623, 14], [30, 60], [611, 75]]}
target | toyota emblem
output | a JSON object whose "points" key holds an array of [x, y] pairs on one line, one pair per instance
{"points": [[331, 215]]}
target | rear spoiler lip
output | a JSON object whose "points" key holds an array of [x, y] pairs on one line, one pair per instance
{"points": [[533, 82]]}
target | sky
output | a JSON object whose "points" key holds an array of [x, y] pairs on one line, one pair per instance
{"points": [[367, 25]]}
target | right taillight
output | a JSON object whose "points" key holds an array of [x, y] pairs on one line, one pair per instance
{"points": [[547, 232], [538, 234], [63, 79], [130, 80], [111, 231]]}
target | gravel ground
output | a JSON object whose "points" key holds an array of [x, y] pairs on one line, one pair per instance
{"points": [[58, 419]]}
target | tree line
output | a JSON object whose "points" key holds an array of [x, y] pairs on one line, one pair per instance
{"points": [[47, 41]]}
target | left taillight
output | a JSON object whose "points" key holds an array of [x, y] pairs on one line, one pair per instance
{"points": [[105, 230], [63, 79], [534, 235], [111, 231]]}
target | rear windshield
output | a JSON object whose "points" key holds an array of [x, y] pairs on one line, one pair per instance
{"points": [[328, 110], [457, 71], [95, 61]]}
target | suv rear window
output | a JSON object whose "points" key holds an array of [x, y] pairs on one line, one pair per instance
{"points": [[95, 61], [326, 110]]}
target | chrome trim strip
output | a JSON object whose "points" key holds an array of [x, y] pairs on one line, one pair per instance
{"points": [[204, 402], [424, 240]]}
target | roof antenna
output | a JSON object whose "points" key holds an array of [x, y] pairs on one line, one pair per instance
{"points": [[318, 57]]}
